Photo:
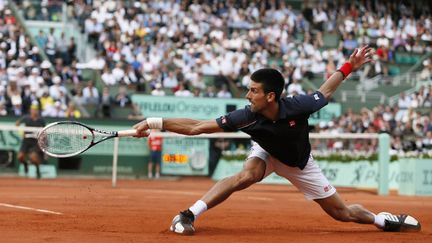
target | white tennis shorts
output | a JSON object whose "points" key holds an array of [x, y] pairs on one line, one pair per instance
{"points": [[310, 181]]}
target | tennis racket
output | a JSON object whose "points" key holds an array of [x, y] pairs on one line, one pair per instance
{"points": [[69, 138]]}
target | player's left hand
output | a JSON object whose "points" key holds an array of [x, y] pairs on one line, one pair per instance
{"points": [[142, 129], [360, 57]]}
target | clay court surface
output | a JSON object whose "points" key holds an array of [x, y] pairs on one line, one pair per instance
{"points": [[84, 210]]}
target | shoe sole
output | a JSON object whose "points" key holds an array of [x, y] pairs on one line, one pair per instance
{"points": [[181, 233]]}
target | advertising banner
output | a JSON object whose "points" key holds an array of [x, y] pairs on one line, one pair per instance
{"points": [[190, 107], [351, 174], [185, 156], [209, 108]]}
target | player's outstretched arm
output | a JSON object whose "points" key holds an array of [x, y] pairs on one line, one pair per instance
{"points": [[356, 60], [178, 125]]}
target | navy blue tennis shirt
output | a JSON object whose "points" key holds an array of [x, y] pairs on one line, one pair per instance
{"points": [[286, 139]]}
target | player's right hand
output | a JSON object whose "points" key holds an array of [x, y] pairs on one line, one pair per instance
{"points": [[360, 57]]}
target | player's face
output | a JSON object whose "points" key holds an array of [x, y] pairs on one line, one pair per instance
{"points": [[256, 96]]}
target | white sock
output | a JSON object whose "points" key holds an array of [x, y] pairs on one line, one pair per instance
{"points": [[379, 220], [198, 208]]}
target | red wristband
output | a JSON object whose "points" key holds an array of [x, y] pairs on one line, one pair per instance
{"points": [[345, 69]]}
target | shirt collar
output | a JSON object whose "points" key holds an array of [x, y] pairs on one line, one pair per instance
{"points": [[283, 113]]}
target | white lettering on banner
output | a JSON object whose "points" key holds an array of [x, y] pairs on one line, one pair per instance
{"points": [[105, 169], [10, 140], [180, 107], [406, 177], [205, 109], [196, 108], [186, 143], [357, 174], [157, 107]]}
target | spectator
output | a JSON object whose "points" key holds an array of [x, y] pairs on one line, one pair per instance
{"points": [[108, 77], [170, 81], [404, 101], [56, 110], [295, 88], [224, 92], [46, 101], [106, 103], [35, 80], [78, 98], [349, 44], [122, 99], [183, 91], [41, 39], [3, 110], [211, 92], [71, 51], [72, 111], [426, 73], [118, 73], [97, 63], [57, 88], [29, 97], [62, 48], [91, 94], [158, 91]]}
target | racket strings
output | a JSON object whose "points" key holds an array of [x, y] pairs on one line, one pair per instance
{"points": [[65, 139]]}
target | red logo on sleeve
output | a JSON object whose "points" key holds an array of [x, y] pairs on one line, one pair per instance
{"points": [[292, 123], [223, 120]]}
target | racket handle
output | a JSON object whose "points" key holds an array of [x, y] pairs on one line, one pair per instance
{"points": [[129, 133]]}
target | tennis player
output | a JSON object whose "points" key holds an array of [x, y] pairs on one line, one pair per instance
{"points": [[29, 148], [279, 128]]}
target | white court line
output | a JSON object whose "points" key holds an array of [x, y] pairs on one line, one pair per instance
{"points": [[199, 193], [28, 208], [188, 193]]}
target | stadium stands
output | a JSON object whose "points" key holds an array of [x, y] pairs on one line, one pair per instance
{"points": [[209, 48]]}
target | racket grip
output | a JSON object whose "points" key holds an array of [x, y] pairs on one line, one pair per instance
{"points": [[129, 133]]}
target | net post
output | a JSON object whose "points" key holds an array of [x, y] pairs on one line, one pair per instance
{"points": [[114, 165], [383, 163]]}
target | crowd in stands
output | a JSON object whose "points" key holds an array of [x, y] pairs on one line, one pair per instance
{"points": [[169, 47], [175, 43], [26, 79]]}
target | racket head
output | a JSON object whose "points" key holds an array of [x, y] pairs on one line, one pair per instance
{"points": [[65, 139]]}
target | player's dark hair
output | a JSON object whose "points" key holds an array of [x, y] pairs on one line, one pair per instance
{"points": [[271, 80]]}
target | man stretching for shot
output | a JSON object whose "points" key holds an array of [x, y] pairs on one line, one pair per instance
{"points": [[280, 131]]}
